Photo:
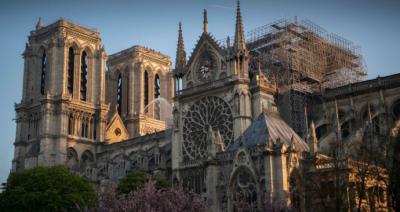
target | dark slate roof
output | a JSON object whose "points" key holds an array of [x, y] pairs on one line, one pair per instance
{"points": [[266, 126]]}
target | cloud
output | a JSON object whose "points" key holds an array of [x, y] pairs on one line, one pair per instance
{"points": [[222, 7]]}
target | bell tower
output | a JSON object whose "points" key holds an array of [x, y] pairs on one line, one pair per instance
{"points": [[62, 107]]}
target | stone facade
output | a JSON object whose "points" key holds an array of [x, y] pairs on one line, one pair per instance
{"points": [[209, 125], [63, 101], [140, 88]]}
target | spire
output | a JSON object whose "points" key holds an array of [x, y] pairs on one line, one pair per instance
{"points": [[239, 34], [180, 52], [205, 22], [228, 42], [313, 145], [39, 24]]}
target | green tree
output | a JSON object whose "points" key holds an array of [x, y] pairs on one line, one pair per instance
{"points": [[46, 189], [135, 180]]}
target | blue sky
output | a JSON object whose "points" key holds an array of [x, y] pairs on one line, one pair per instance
{"points": [[374, 25]]}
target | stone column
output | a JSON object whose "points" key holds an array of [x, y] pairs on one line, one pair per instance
{"points": [[211, 185], [280, 177], [269, 175]]}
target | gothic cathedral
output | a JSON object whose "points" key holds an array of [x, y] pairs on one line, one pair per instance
{"points": [[215, 124]]}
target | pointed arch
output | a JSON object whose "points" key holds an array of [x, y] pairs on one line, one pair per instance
{"points": [[72, 158], [87, 158], [243, 186]]}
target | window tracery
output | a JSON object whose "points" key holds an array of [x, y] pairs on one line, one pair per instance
{"points": [[205, 113], [244, 188]]}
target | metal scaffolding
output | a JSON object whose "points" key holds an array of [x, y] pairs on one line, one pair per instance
{"points": [[301, 55], [302, 59]]}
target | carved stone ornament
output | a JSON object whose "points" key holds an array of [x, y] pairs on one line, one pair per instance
{"points": [[206, 112], [206, 67]]}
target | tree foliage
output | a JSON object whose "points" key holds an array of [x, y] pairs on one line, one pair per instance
{"points": [[151, 199], [134, 181], [46, 189]]}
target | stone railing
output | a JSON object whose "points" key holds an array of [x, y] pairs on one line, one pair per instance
{"points": [[191, 163], [199, 88]]}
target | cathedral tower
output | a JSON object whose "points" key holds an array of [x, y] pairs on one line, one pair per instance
{"points": [[140, 89], [62, 110]]}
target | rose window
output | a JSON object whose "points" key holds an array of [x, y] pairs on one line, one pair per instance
{"points": [[205, 113]]}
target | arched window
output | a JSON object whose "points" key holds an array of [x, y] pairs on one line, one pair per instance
{"points": [[43, 75], [72, 158], [244, 188], [146, 88], [157, 92], [119, 94], [83, 128], [87, 158], [71, 65], [157, 86], [84, 62], [71, 125], [94, 129]]}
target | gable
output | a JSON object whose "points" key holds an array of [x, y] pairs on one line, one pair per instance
{"points": [[205, 39], [116, 130], [207, 54]]}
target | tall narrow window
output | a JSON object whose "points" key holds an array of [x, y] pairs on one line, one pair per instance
{"points": [[83, 76], [146, 88], [157, 92], [94, 129], [71, 65], [119, 94], [157, 86], [83, 128], [43, 75], [71, 125]]}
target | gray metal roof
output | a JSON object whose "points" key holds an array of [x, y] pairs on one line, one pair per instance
{"points": [[270, 126]]}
